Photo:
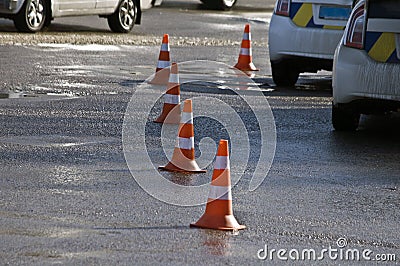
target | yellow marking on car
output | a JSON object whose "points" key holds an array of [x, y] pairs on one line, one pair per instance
{"points": [[383, 47], [329, 27], [303, 15]]}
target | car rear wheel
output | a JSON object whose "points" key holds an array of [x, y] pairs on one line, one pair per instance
{"points": [[344, 119], [219, 4], [284, 74], [124, 18], [32, 16]]}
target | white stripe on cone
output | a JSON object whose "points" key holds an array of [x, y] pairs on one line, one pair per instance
{"points": [[163, 64], [246, 36], [172, 98], [165, 47], [173, 78], [187, 118], [185, 143], [221, 162], [245, 51], [221, 193]]}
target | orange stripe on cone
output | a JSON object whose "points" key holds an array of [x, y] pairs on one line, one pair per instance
{"points": [[219, 213], [183, 159], [171, 113], [245, 61], [163, 64]]}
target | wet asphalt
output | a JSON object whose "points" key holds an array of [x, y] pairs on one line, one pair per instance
{"points": [[68, 197]]}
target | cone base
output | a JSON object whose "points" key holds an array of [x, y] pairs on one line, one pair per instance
{"points": [[246, 67], [224, 222], [173, 168]]}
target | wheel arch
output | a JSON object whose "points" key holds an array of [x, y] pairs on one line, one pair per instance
{"points": [[49, 5], [20, 3]]}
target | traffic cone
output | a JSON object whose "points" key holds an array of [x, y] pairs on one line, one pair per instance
{"points": [[219, 214], [171, 113], [162, 71], [183, 159], [245, 56]]}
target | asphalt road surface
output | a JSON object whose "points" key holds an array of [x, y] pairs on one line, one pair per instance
{"points": [[67, 195]]}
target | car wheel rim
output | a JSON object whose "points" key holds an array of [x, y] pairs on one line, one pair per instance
{"points": [[35, 13], [127, 14], [229, 3]]}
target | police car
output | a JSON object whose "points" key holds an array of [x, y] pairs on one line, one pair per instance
{"points": [[303, 35], [366, 71]]}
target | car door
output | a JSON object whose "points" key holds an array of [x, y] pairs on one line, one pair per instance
{"points": [[75, 6], [100, 4]]}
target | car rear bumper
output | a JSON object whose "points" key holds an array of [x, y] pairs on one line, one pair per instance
{"points": [[356, 76], [287, 40]]}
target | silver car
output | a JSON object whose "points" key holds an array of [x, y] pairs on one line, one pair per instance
{"points": [[33, 15]]}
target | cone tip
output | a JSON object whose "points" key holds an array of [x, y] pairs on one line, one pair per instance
{"points": [[165, 38]]}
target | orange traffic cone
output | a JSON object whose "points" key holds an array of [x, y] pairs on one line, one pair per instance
{"points": [[183, 159], [245, 57], [162, 71], [219, 214], [171, 113]]}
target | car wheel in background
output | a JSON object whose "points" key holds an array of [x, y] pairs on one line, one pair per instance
{"points": [[284, 74], [219, 4], [123, 19], [32, 16], [344, 119]]}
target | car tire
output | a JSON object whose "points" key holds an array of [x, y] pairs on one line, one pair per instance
{"points": [[219, 4], [344, 119], [32, 17], [124, 17], [284, 74]]}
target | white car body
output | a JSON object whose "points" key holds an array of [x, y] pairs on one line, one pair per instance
{"points": [[306, 39], [366, 79], [33, 15], [72, 7]]}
